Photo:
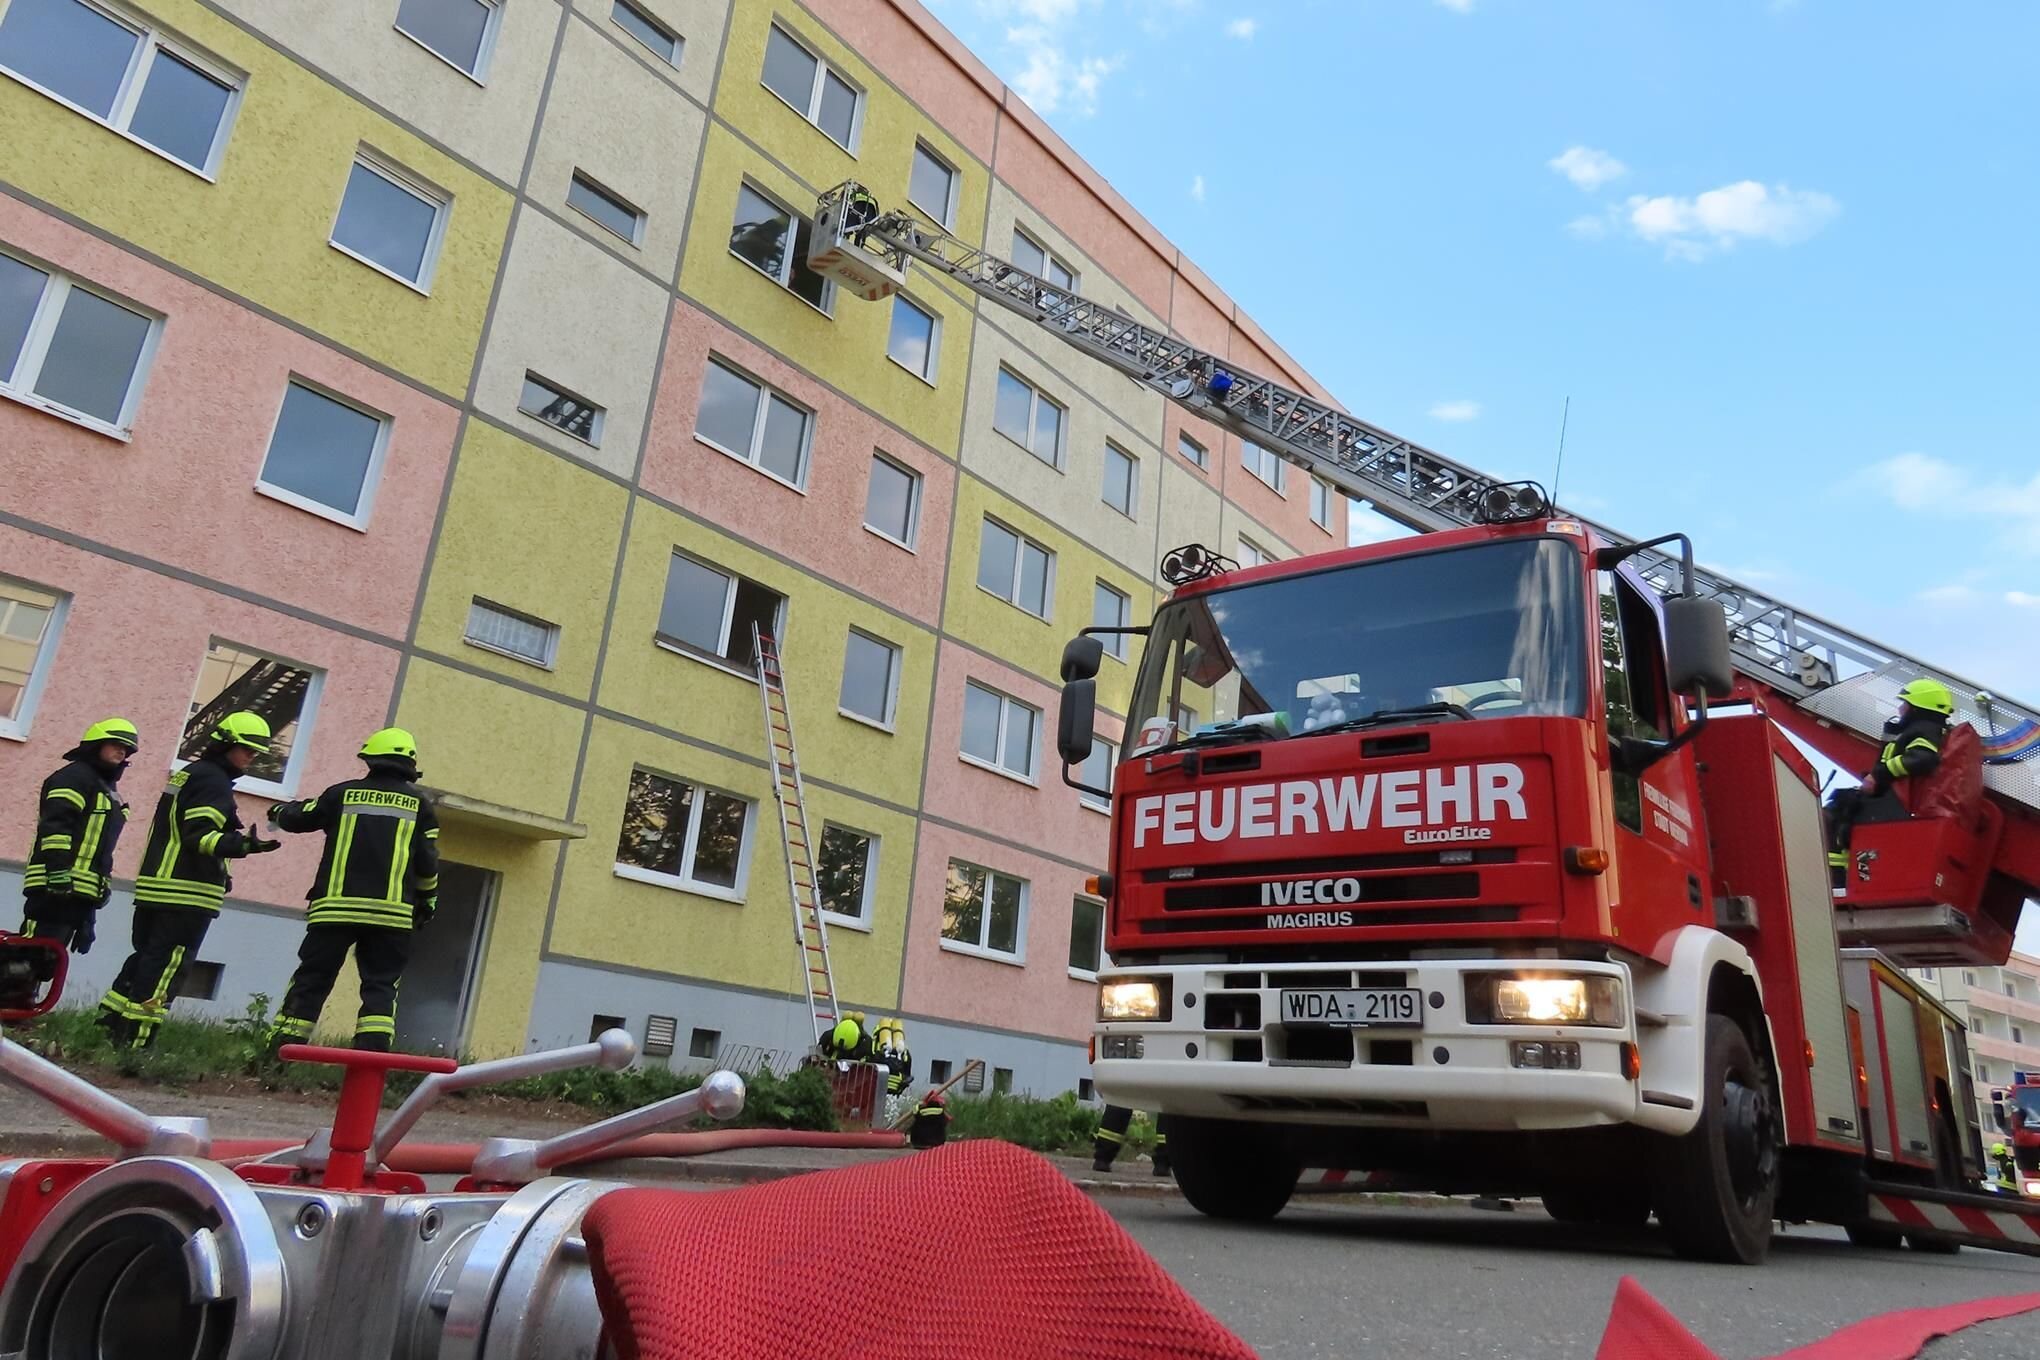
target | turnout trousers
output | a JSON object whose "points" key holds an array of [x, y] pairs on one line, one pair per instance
{"points": [[162, 940], [1112, 1126], [380, 953]]}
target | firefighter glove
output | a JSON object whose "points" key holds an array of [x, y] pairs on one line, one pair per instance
{"points": [[423, 910], [82, 938], [58, 883], [258, 846]]}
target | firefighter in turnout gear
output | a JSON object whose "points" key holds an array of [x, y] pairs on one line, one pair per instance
{"points": [[78, 823], [184, 880], [1912, 747], [1112, 1126], [378, 880]]}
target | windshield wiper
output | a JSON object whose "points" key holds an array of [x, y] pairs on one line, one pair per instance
{"points": [[1381, 717]]}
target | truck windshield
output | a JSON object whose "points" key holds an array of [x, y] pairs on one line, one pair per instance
{"points": [[1487, 631], [2026, 1101]]}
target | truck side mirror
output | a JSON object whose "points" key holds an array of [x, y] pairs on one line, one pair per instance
{"points": [[1076, 718], [1081, 658], [1696, 647]]}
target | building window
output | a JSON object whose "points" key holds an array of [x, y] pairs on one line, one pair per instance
{"points": [[1086, 1091], [1031, 256], [494, 628], [704, 1043], [680, 836], [1111, 609], [915, 338], [542, 399], [998, 731], [606, 209], [285, 695], [1028, 418], [640, 24], [1983, 1074], [1192, 450], [2018, 1035], [1122, 481], [754, 424], [871, 679], [892, 503], [1262, 463], [1253, 554], [390, 221], [931, 186], [1087, 937], [123, 74], [1002, 1081], [659, 1032], [984, 912], [71, 350], [1968, 978], [1097, 772], [710, 613], [1320, 505], [1015, 568], [459, 32], [324, 454], [812, 87], [938, 1071], [598, 1023], [848, 873], [30, 620], [774, 241]]}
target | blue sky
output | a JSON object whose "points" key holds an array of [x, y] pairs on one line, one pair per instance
{"points": [[1780, 254]]}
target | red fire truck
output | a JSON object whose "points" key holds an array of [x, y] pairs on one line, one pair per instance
{"points": [[2017, 1112], [1430, 858]]}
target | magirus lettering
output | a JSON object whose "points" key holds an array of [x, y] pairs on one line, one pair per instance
{"points": [[1309, 920], [1442, 797]]}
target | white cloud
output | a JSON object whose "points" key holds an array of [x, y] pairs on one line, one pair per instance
{"points": [[1953, 593], [1243, 29], [1456, 410], [1458, 6], [1365, 524], [2023, 599], [1587, 168], [1922, 484], [1197, 187], [1587, 228], [1694, 228], [1051, 78]]}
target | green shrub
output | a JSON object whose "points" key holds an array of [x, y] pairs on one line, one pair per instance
{"points": [[1058, 1124]]}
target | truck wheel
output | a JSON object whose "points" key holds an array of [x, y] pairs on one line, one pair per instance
{"points": [[1616, 1206], [1231, 1170], [1716, 1185]]}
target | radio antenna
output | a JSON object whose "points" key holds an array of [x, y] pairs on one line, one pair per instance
{"points": [[1559, 467]]}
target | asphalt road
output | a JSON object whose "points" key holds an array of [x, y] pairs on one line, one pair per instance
{"points": [[1442, 1284]]}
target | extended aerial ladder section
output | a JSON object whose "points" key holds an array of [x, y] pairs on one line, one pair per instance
{"points": [[1830, 686]]}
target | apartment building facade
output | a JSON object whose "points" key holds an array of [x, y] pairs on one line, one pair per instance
{"points": [[2001, 1007], [453, 363]]}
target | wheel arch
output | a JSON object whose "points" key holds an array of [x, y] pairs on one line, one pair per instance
{"points": [[1707, 974]]}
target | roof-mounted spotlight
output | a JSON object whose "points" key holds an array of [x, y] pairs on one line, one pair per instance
{"points": [[1511, 503], [1194, 562]]}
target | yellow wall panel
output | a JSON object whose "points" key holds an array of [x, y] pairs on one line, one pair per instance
{"points": [[486, 740], [262, 229], [533, 532]]}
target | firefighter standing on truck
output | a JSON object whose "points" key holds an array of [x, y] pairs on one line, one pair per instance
{"points": [[378, 879], [1912, 748], [78, 822], [184, 880]]}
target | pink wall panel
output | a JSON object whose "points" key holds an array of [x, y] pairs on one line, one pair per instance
{"points": [[1042, 997], [182, 490], [823, 529], [132, 645], [926, 61], [1063, 191]]}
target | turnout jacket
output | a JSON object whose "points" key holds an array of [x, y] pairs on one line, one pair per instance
{"points": [[196, 830], [1910, 750], [382, 852], [78, 822]]}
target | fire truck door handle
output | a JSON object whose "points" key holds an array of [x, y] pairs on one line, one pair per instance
{"points": [[1694, 897]]}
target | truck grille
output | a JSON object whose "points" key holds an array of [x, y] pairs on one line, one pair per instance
{"points": [[1340, 864], [1431, 887]]}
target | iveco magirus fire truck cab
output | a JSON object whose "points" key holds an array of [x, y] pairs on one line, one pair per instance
{"points": [[2017, 1112], [1428, 859]]}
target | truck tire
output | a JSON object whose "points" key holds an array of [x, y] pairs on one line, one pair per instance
{"points": [[1625, 1205], [1231, 1170], [1716, 1185]]}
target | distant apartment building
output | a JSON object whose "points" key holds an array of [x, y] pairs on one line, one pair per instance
{"points": [[2001, 1007], [454, 363]]}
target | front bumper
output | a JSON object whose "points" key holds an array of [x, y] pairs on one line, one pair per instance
{"points": [[1225, 1053]]}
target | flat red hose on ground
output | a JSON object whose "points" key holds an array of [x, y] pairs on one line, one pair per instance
{"points": [[1639, 1328], [453, 1159], [976, 1251]]}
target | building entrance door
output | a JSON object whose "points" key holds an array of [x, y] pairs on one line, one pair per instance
{"points": [[445, 956]]}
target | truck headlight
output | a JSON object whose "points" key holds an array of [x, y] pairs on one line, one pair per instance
{"points": [[1544, 999], [1134, 999]]}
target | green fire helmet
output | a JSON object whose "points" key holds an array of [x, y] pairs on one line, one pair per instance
{"points": [[119, 731], [392, 743], [1929, 695], [243, 729]]}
